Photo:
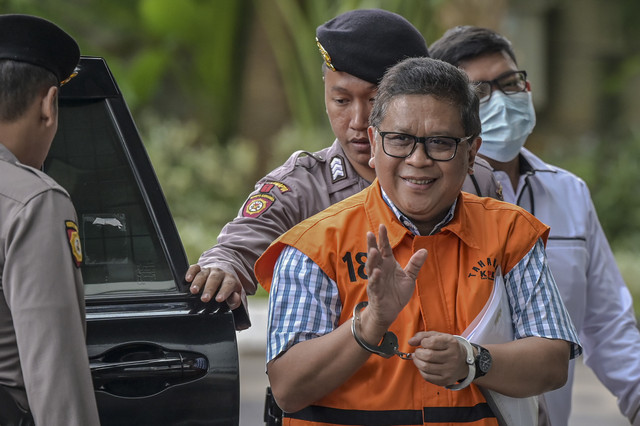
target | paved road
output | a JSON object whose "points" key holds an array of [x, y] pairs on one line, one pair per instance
{"points": [[593, 405]]}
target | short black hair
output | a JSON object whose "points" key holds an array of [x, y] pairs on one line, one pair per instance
{"points": [[425, 76], [466, 42], [20, 83]]}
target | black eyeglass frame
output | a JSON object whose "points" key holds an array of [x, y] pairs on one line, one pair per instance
{"points": [[496, 83], [423, 140]]}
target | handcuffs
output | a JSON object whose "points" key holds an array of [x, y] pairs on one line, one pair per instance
{"points": [[389, 347]]}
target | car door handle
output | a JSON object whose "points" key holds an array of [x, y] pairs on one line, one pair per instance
{"points": [[144, 369], [168, 367]]}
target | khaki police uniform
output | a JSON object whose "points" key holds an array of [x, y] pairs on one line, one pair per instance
{"points": [[304, 185], [43, 356]]}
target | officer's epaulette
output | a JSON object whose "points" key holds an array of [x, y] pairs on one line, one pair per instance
{"points": [[301, 154]]}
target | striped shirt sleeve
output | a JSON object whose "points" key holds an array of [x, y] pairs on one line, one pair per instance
{"points": [[536, 306], [304, 302]]}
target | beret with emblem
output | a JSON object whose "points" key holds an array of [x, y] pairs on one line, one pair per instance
{"points": [[26, 38], [366, 42]]}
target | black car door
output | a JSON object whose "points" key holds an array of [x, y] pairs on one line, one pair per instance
{"points": [[158, 355]]}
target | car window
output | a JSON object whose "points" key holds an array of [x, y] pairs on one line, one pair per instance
{"points": [[121, 250]]}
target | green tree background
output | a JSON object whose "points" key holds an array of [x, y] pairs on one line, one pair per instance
{"points": [[223, 91]]}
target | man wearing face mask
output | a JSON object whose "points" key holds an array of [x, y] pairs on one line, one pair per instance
{"points": [[579, 255]]}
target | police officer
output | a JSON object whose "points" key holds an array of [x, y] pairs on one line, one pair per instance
{"points": [[357, 47], [44, 367]]}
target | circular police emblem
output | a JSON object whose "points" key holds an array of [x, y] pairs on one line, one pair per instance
{"points": [[257, 204]]}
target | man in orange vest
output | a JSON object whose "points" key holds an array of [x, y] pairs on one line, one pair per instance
{"points": [[403, 268]]}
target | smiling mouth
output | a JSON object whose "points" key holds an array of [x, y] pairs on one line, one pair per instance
{"points": [[419, 181]]}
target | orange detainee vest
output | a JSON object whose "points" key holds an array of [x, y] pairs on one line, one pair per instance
{"points": [[452, 287]]}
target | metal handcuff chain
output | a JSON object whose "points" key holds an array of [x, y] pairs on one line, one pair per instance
{"points": [[389, 345]]}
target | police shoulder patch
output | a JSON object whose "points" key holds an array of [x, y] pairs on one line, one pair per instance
{"points": [[257, 204], [74, 242]]}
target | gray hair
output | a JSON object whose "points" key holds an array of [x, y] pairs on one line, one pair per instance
{"points": [[426, 76]]}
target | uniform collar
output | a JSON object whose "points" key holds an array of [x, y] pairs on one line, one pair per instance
{"points": [[7, 155], [459, 224], [340, 169]]}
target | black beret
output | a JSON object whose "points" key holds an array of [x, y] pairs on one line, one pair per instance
{"points": [[365, 42], [26, 38]]}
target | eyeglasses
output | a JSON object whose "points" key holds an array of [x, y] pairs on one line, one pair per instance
{"points": [[509, 83], [402, 145]]}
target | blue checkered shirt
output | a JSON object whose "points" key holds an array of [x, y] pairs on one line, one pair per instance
{"points": [[304, 303]]}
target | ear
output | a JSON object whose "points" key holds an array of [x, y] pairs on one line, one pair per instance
{"points": [[473, 151], [371, 132], [528, 85], [49, 107]]}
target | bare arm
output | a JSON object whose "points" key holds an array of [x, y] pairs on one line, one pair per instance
{"points": [[527, 367], [313, 368], [521, 368]]}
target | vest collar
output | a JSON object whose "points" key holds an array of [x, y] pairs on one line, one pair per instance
{"points": [[459, 225], [379, 212]]}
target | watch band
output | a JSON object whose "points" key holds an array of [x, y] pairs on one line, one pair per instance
{"points": [[482, 360], [471, 362]]}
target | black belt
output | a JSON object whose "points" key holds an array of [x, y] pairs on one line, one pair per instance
{"points": [[393, 417]]}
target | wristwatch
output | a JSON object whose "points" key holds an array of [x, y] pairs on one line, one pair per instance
{"points": [[482, 361]]}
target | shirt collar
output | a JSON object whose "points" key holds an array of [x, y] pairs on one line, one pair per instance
{"points": [[533, 164], [404, 220], [7, 155]]}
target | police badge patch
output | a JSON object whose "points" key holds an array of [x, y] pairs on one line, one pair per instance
{"points": [[74, 242], [257, 204]]}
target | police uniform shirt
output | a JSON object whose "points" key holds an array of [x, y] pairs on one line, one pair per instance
{"points": [[42, 299]]}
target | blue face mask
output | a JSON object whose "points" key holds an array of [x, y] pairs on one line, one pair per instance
{"points": [[507, 122]]}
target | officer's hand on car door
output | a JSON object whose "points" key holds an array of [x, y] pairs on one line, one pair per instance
{"points": [[214, 281]]}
